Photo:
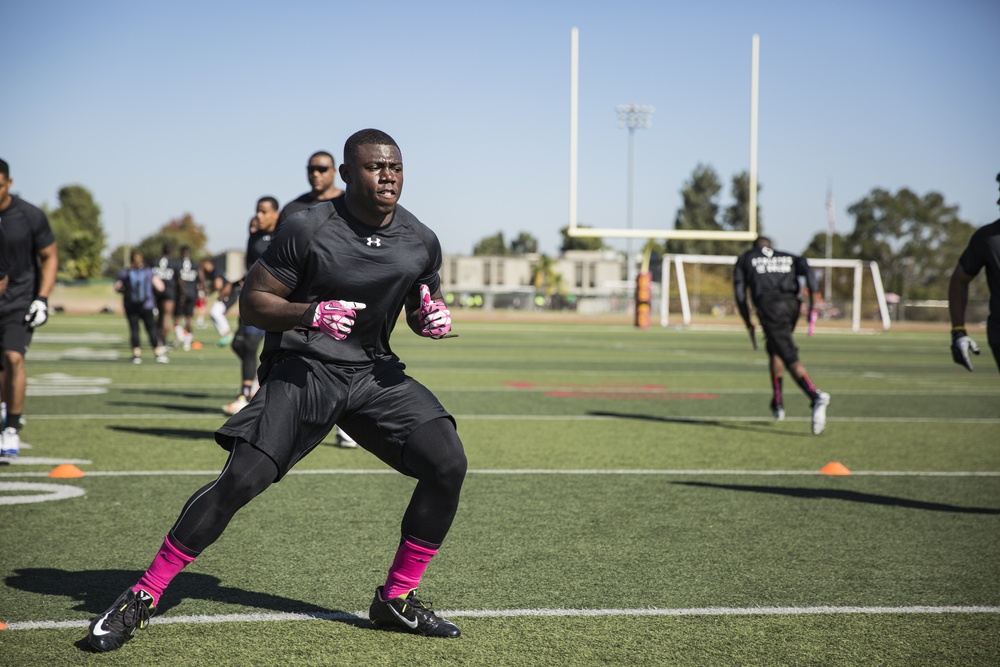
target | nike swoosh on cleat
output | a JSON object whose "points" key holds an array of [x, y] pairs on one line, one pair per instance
{"points": [[410, 624], [99, 627]]}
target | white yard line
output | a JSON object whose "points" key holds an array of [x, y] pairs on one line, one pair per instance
{"points": [[525, 613]]}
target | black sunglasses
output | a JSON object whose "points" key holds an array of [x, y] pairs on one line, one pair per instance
{"points": [[318, 167]]}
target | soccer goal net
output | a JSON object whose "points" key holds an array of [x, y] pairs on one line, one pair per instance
{"points": [[847, 275]]}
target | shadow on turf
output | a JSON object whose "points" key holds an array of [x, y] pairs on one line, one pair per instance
{"points": [[168, 406], [851, 496], [698, 422], [172, 433], [94, 590], [170, 392]]}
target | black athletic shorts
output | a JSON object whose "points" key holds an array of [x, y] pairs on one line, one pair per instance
{"points": [[777, 318], [15, 335], [301, 399]]}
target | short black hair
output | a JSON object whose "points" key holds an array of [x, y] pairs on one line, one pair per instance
{"points": [[762, 242], [5, 169], [322, 154], [271, 200], [369, 137], [167, 248]]}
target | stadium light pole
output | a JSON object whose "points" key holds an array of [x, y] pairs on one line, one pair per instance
{"points": [[633, 117]]}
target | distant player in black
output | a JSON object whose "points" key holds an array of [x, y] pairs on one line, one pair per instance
{"points": [[772, 276], [321, 173], [983, 251], [167, 268], [329, 291], [24, 306], [247, 340], [4, 262], [188, 284]]}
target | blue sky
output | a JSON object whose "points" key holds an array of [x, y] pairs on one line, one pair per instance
{"points": [[165, 108]]}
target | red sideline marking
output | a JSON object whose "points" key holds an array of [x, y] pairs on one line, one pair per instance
{"points": [[632, 396], [531, 385]]}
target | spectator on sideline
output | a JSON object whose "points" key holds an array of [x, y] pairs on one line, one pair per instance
{"points": [[772, 276], [983, 250], [139, 285], [327, 357], [24, 306], [247, 340]]}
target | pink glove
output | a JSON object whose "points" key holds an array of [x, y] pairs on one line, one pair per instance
{"points": [[813, 314], [336, 318], [435, 318]]}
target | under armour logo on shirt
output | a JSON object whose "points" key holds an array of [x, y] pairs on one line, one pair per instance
{"points": [[374, 241]]}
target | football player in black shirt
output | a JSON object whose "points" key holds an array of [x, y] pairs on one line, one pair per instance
{"points": [[328, 291], [983, 251], [320, 171], [24, 306], [247, 339], [772, 276], [166, 267]]}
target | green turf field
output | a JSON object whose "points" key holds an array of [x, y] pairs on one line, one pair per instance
{"points": [[629, 502]]}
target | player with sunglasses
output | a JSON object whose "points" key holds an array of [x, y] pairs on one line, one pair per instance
{"points": [[320, 171]]}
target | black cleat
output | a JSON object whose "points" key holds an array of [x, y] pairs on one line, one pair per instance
{"points": [[409, 615], [131, 611]]}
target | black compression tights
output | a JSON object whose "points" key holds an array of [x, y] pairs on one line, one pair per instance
{"points": [[247, 473], [433, 453], [245, 346]]}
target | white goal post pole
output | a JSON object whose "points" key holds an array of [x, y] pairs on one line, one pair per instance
{"points": [[574, 128], [664, 292], [883, 309], [682, 290], [754, 73]]}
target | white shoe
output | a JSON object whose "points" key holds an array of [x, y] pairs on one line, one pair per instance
{"points": [[778, 411], [11, 446], [819, 412], [162, 359], [136, 360], [344, 440], [237, 405]]}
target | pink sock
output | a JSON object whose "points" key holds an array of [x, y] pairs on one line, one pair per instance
{"points": [[407, 568], [777, 390], [167, 564]]}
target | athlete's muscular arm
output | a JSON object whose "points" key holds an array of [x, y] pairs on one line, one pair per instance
{"points": [[49, 259], [958, 296], [264, 302], [740, 294]]}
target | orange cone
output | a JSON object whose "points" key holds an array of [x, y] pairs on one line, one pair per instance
{"points": [[66, 471], [834, 468]]}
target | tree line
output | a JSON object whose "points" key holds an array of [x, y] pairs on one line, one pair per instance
{"points": [[916, 239]]}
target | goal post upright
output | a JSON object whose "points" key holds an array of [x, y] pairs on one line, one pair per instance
{"points": [[574, 229]]}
